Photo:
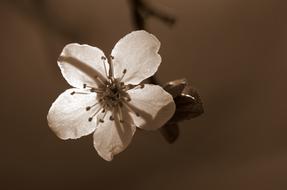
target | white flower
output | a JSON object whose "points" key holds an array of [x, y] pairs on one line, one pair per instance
{"points": [[107, 97]]}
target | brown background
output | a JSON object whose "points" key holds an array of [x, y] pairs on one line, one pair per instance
{"points": [[233, 51]]}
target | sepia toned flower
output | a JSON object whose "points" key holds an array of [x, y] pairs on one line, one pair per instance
{"points": [[108, 97]]}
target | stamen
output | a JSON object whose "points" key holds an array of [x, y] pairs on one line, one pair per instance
{"points": [[111, 71], [112, 116], [130, 86], [101, 120], [91, 117], [104, 62], [89, 107], [130, 109], [120, 114], [96, 90], [74, 92], [141, 86], [126, 98], [124, 72], [93, 89], [99, 78]]}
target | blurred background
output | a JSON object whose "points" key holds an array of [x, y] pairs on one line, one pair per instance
{"points": [[233, 52]]}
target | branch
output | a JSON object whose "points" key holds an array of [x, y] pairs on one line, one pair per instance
{"points": [[141, 10]]}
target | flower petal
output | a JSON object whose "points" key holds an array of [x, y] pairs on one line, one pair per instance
{"points": [[82, 64], [151, 106], [112, 137], [137, 52], [68, 116]]}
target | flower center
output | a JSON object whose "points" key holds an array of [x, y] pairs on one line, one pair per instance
{"points": [[113, 94]]}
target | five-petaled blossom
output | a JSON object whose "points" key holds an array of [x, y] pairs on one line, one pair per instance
{"points": [[108, 96]]}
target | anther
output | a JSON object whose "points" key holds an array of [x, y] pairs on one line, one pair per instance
{"points": [[89, 107], [92, 89], [101, 120], [112, 57], [91, 117], [121, 121], [112, 118], [74, 92], [141, 86], [103, 58], [137, 114]]}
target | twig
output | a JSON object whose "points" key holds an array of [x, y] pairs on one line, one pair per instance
{"points": [[141, 10]]}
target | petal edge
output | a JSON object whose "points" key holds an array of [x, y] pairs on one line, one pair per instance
{"points": [[67, 116], [137, 52]]}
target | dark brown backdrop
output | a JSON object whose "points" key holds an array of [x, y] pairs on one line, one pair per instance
{"points": [[233, 51]]}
